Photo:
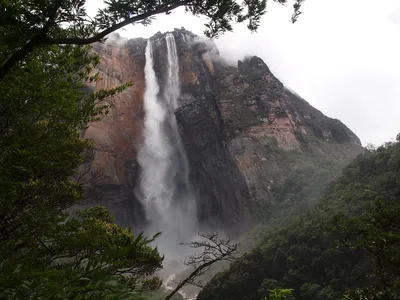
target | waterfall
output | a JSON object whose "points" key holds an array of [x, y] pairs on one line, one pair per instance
{"points": [[173, 85], [164, 187]]}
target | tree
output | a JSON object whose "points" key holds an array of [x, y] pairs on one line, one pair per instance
{"points": [[370, 294], [26, 25], [43, 108], [280, 294], [84, 256], [215, 249], [46, 253], [376, 233]]}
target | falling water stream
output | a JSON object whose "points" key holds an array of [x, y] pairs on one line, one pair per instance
{"points": [[164, 188]]}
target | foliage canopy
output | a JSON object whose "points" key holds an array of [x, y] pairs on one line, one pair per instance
{"points": [[346, 247]]}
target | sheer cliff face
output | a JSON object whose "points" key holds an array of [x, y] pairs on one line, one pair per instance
{"points": [[228, 118]]}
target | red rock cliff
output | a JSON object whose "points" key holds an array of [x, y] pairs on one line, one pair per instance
{"points": [[228, 118]]}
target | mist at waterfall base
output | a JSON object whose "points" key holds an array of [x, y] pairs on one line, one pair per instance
{"points": [[164, 188]]}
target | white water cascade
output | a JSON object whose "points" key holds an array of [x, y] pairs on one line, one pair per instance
{"points": [[164, 188]]}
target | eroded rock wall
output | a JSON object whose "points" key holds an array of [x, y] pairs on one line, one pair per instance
{"points": [[118, 134], [228, 119], [259, 113]]}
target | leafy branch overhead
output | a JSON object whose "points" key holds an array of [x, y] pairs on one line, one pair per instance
{"points": [[27, 24]]}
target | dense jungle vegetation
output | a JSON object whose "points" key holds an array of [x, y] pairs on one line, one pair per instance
{"points": [[346, 247]]}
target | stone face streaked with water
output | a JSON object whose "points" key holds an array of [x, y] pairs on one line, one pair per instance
{"points": [[228, 118]]}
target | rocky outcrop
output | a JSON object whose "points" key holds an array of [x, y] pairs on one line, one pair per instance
{"points": [[117, 135], [222, 193], [259, 113], [229, 120]]}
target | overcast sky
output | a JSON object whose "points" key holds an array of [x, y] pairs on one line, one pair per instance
{"points": [[342, 56]]}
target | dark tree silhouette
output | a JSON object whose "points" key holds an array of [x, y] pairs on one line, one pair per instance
{"points": [[214, 249]]}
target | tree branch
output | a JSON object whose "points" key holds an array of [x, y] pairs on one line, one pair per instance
{"points": [[28, 47], [192, 275], [102, 34], [215, 249]]}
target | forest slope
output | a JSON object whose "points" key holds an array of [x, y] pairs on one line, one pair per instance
{"points": [[348, 243]]}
